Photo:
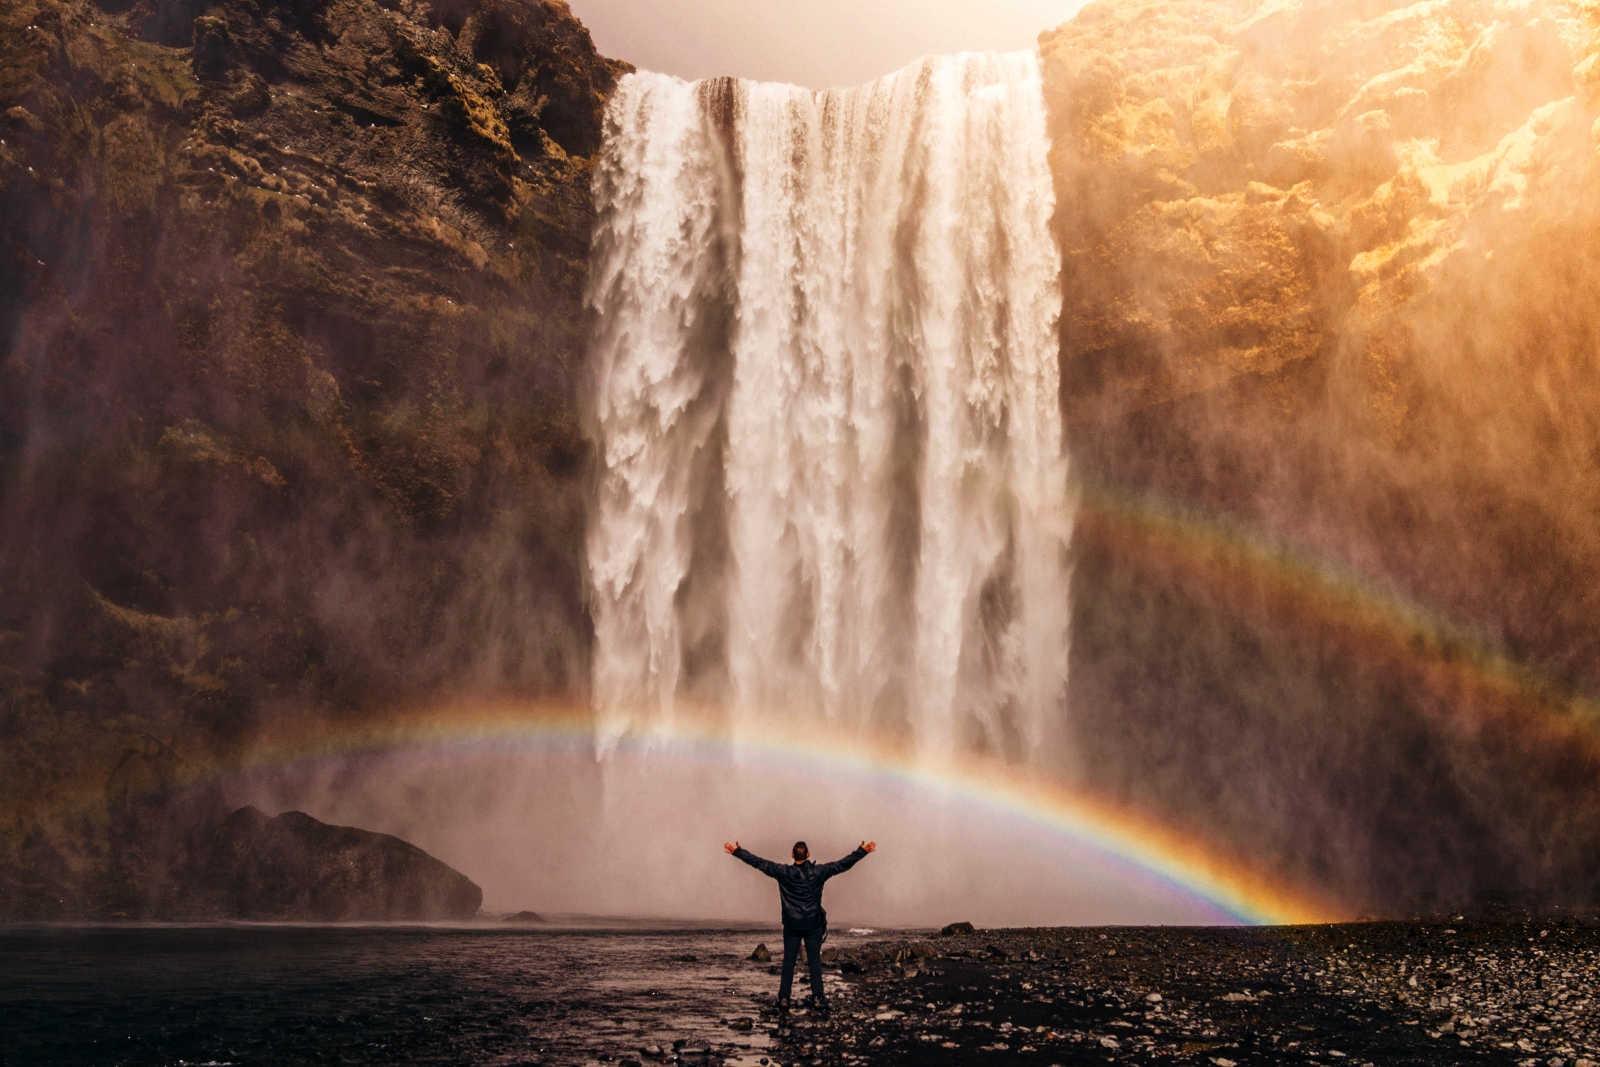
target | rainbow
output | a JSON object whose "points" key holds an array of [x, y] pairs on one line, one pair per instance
{"points": [[1234, 892], [1267, 580], [1274, 582], [1282, 585]]}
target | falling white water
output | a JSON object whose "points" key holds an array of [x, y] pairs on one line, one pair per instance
{"points": [[832, 485]]}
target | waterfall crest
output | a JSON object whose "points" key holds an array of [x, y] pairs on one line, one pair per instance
{"points": [[825, 400]]}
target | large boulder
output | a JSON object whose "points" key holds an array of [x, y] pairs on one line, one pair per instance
{"points": [[297, 868]]}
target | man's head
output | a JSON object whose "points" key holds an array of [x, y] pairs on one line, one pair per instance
{"points": [[800, 852]]}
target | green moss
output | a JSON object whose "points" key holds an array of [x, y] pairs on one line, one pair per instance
{"points": [[477, 116], [463, 105], [148, 628], [23, 52], [164, 77]]}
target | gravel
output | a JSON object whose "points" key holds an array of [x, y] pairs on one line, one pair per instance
{"points": [[1518, 993]]}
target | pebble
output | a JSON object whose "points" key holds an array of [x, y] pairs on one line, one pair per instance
{"points": [[1439, 998]]}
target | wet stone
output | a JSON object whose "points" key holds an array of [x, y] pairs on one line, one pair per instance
{"points": [[1226, 997]]}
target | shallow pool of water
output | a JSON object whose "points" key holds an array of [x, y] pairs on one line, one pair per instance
{"points": [[287, 994]]}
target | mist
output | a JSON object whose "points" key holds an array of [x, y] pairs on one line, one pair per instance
{"points": [[547, 826], [1324, 351]]}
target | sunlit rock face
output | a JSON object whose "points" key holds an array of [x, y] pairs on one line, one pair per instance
{"points": [[1329, 368]]}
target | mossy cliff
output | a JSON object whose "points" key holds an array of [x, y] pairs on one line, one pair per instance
{"points": [[1329, 361], [291, 328]]}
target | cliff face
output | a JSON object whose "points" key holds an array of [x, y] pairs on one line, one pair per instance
{"points": [[290, 334], [1329, 356]]}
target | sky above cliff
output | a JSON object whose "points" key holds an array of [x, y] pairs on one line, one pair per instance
{"points": [[819, 44]]}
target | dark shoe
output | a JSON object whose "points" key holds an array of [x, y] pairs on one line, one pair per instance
{"points": [[783, 1005]]}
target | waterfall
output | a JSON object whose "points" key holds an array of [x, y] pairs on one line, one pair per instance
{"points": [[832, 485]]}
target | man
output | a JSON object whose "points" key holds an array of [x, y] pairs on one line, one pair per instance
{"points": [[800, 893]]}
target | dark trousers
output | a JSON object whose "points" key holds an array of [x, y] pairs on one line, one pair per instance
{"points": [[791, 945]]}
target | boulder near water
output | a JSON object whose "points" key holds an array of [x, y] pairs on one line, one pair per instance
{"points": [[293, 866]]}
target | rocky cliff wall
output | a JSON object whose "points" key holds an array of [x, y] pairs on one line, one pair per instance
{"points": [[1329, 361], [291, 327], [290, 335]]}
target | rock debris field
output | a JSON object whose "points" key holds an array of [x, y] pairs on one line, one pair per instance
{"points": [[1520, 993]]}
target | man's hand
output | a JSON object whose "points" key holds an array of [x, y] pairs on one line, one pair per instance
{"points": [[730, 847], [869, 846]]}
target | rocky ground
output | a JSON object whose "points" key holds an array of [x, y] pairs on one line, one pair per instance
{"points": [[1507, 992]]}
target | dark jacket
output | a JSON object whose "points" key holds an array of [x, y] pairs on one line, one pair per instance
{"points": [[800, 886]]}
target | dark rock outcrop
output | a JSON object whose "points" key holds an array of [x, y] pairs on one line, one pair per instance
{"points": [[295, 867]]}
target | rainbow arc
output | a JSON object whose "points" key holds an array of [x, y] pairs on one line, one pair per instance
{"points": [[1233, 892]]}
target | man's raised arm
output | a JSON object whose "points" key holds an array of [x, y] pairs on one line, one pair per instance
{"points": [[828, 870], [766, 867]]}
